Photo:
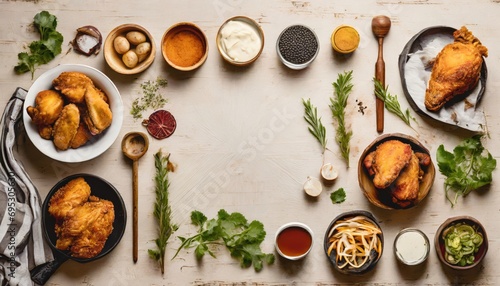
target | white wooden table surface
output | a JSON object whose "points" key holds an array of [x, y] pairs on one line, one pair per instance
{"points": [[250, 120]]}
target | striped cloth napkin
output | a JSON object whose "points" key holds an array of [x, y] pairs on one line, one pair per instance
{"points": [[22, 244]]}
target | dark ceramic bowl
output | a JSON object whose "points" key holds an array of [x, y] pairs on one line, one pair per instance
{"points": [[99, 188], [439, 243], [374, 256], [383, 198]]}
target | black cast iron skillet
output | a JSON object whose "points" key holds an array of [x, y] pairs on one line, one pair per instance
{"points": [[99, 188]]}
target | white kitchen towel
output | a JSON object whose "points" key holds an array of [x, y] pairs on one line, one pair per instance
{"points": [[22, 244]]}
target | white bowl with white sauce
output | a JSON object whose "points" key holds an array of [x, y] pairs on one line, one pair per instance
{"points": [[411, 246], [240, 40]]}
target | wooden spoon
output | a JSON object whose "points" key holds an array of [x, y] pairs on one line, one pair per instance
{"points": [[380, 27], [134, 146]]}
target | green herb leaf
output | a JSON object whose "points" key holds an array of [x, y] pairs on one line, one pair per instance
{"points": [[316, 128], [342, 89], [391, 102], [151, 98], [338, 196], [43, 50], [241, 238], [468, 168], [162, 211]]}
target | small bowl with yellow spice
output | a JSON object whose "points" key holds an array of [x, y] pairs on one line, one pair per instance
{"points": [[345, 39], [184, 46]]}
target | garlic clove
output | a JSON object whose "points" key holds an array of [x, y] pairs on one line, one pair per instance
{"points": [[313, 186], [329, 172]]}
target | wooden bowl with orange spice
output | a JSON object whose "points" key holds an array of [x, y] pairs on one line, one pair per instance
{"points": [[184, 46]]}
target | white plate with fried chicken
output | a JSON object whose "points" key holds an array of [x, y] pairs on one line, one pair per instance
{"points": [[443, 73], [73, 113]]}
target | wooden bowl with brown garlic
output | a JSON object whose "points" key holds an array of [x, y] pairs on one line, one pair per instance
{"points": [[395, 172]]}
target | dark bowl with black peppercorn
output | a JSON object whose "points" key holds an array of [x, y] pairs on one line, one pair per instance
{"points": [[297, 46]]}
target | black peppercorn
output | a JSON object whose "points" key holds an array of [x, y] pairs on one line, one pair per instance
{"points": [[297, 44]]}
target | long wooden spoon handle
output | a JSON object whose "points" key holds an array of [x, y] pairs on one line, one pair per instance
{"points": [[380, 76], [135, 198]]}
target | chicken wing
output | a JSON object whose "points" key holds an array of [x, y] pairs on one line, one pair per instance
{"points": [[456, 70], [66, 126], [92, 239], [98, 116], [406, 187], [48, 106], [389, 159], [75, 193], [72, 85]]}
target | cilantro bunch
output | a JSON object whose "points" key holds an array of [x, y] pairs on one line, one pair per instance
{"points": [[241, 238], [43, 50], [468, 168]]}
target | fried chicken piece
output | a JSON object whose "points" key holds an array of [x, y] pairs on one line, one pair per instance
{"points": [[456, 70], [66, 126], [423, 158], [45, 131], [82, 136], [72, 85], [389, 159], [98, 116], [48, 107], [75, 193], [86, 228], [368, 163], [406, 187]]}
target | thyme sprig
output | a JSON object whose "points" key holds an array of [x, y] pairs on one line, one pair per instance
{"points": [[162, 211], [316, 128], [342, 89], [151, 98], [391, 102]]}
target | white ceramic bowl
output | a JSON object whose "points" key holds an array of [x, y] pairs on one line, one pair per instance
{"points": [[96, 146], [296, 239]]}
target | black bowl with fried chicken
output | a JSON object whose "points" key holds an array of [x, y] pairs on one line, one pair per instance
{"points": [[395, 171], [84, 219]]}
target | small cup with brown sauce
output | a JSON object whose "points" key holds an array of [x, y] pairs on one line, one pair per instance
{"points": [[294, 240], [184, 46]]}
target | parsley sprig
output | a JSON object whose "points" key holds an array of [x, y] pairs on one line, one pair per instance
{"points": [[391, 102], [162, 211], [316, 128], [43, 50], [342, 89], [468, 168], [241, 238]]}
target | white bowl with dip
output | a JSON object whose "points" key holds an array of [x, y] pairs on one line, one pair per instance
{"points": [[411, 246], [240, 40], [293, 240]]}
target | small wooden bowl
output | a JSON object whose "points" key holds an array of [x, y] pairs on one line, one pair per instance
{"points": [[220, 46], [381, 198], [114, 59], [374, 257], [169, 47], [439, 244]]}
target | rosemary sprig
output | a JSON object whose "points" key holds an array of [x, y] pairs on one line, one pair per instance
{"points": [[316, 128], [342, 89], [151, 97], [391, 102], [162, 211]]}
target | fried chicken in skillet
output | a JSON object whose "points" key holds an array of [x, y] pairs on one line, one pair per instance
{"points": [[456, 69], [83, 222]]}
